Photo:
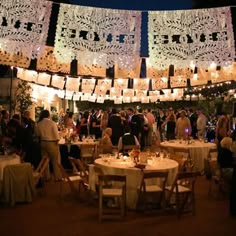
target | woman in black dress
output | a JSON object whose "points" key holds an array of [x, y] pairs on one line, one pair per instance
{"points": [[84, 124], [170, 124]]}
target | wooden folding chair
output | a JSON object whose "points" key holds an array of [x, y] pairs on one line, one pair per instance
{"points": [[115, 192], [79, 168], [99, 172], [188, 162], [166, 149], [71, 181], [88, 152], [152, 183], [183, 191], [181, 161], [212, 156], [38, 173], [218, 185]]}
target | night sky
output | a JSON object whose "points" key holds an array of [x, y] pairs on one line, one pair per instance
{"points": [[137, 4]]}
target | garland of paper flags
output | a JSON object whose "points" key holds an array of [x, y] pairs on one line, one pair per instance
{"points": [[186, 48], [100, 38], [120, 90]]}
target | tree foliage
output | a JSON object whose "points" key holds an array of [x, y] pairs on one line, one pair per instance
{"points": [[23, 98]]}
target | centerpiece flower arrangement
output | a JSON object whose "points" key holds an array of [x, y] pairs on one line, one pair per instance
{"points": [[135, 153], [74, 136]]}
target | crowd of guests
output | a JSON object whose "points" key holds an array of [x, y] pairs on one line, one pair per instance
{"points": [[147, 126]]}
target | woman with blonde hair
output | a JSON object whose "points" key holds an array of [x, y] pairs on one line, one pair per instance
{"points": [[105, 142], [104, 122]]}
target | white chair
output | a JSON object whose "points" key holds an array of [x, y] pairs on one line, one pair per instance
{"points": [[71, 181], [183, 191], [79, 168], [38, 173], [88, 152], [114, 192], [152, 183]]}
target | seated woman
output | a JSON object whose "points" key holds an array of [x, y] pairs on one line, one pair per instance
{"points": [[105, 141], [127, 139], [225, 157]]}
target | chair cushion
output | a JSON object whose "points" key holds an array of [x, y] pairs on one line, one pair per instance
{"points": [[112, 192], [74, 178], [153, 188], [35, 174], [181, 189]]}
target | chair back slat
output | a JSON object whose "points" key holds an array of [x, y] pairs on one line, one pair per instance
{"points": [[115, 191], [80, 168], [183, 189], [42, 165], [152, 182], [156, 174], [185, 179], [117, 178], [212, 154]]}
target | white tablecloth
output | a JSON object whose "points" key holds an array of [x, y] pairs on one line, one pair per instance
{"points": [[8, 160], [120, 167], [83, 145], [198, 150]]}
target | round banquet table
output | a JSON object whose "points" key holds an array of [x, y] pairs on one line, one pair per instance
{"points": [[133, 175], [198, 150], [8, 160]]}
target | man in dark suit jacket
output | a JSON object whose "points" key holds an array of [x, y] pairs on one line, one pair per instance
{"points": [[115, 123], [193, 121], [127, 139]]}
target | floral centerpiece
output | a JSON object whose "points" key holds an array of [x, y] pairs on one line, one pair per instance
{"points": [[135, 153]]}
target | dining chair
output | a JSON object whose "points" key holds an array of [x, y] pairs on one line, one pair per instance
{"points": [[212, 156], [116, 192], [181, 161], [152, 186], [88, 152], [38, 173], [218, 184], [189, 163], [64, 152], [79, 168], [71, 181], [166, 149], [181, 194], [98, 171], [182, 151]]}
